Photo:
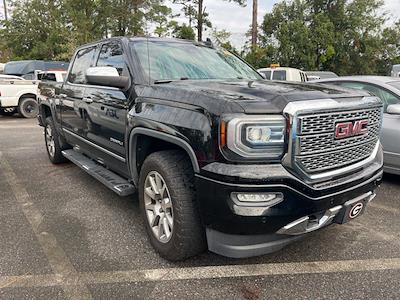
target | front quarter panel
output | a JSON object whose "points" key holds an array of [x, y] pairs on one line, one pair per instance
{"points": [[186, 122]]}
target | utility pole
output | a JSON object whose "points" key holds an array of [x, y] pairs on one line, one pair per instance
{"points": [[5, 10], [200, 21], [254, 26]]}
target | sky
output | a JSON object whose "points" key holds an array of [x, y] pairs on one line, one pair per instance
{"points": [[236, 19]]}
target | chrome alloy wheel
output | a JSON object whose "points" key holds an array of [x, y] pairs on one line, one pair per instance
{"points": [[50, 144], [158, 207]]}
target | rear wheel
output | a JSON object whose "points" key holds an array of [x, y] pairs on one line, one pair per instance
{"points": [[28, 107], [168, 204], [52, 141]]}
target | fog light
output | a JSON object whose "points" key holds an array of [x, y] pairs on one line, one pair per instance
{"points": [[257, 199]]}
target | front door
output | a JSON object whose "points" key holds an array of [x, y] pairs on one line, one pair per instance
{"points": [[107, 109]]}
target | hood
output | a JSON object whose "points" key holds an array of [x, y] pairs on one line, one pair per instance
{"points": [[254, 97]]}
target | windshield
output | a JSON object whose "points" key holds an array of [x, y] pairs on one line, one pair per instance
{"points": [[179, 61], [395, 84]]}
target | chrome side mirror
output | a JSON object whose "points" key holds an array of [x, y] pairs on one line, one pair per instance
{"points": [[106, 76], [393, 109]]}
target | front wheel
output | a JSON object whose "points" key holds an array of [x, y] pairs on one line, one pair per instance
{"points": [[168, 204], [28, 108]]}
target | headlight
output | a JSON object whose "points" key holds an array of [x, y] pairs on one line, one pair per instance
{"points": [[254, 137]]}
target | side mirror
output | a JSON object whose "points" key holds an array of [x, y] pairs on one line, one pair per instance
{"points": [[106, 76], [393, 109]]}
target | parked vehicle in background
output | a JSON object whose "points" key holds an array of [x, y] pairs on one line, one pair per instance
{"points": [[2, 68], [283, 74], [29, 69], [388, 90], [395, 71], [10, 77], [215, 152], [17, 94], [316, 75], [56, 76]]}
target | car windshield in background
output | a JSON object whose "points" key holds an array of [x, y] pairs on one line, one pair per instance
{"points": [[395, 84], [180, 61]]}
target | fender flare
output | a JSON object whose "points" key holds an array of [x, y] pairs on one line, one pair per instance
{"points": [[158, 135]]}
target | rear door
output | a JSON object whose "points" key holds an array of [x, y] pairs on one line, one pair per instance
{"points": [[106, 112], [71, 100]]}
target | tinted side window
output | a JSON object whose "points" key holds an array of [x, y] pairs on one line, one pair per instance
{"points": [[267, 74], [82, 62], [279, 75], [111, 55], [387, 97], [48, 77]]}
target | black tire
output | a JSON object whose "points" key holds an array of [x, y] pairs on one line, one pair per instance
{"points": [[28, 108], [54, 152], [188, 235], [9, 111]]}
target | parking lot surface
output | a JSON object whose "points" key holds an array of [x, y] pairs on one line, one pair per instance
{"points": [[63, 235]]}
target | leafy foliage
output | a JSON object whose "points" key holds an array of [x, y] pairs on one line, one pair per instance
{"points": [[347, 37]]}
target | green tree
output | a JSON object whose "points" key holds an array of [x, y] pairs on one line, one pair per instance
{"points": [[347, 37], [184, 32], [36, 30], [161, 15]]}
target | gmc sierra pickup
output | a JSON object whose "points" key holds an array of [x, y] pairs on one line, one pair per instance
{"points": [[220, 158]]}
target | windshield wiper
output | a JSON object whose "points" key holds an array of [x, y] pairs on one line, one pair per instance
{"points": [[161, 81]]}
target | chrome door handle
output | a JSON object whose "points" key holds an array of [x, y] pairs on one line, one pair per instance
{"points": [[88, 100]]}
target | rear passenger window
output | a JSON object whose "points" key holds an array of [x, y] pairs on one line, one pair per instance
{"points": [[48, 77], [279, 75], [111, 55], [82, 62]]}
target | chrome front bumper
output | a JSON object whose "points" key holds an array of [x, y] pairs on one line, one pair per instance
{"points": [[311, 223]]}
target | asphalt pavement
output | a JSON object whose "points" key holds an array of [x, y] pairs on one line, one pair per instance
{"points": [[63, 235]]}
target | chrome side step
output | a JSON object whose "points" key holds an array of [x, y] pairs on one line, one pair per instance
{"points": [[111, 180]]}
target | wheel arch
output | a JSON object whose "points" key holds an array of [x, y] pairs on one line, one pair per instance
{"points": [[27, 95], [165, 141]]}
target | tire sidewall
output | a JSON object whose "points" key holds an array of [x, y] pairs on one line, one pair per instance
{"points": [[165, 249], [22, 105], [58, 157]]}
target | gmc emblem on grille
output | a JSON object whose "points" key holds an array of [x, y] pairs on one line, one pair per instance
{"points": [[349, 129]]}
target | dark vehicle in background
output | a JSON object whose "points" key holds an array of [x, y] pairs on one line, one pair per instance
{"points": [[316, 75], [220, 158], [388, 90], [29, 69]]}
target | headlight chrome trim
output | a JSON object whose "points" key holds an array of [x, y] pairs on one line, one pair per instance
{"points": [[236, 127]]}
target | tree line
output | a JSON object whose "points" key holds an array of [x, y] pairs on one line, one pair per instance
{"points": [[344, 36]]}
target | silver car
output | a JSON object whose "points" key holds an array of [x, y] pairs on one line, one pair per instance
{"points": [[388, 89]]}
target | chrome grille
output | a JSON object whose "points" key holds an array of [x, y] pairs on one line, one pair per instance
{"points": [[317, 150], [320, 123], [336, 159]]}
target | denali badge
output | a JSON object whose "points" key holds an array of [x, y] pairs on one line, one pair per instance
{"points": [[349, 129]]}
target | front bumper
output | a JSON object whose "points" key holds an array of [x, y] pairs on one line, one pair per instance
{"points": [[241, 231]]}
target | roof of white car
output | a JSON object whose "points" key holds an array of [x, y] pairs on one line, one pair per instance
{"points": [[365, 78], [279, 68]]}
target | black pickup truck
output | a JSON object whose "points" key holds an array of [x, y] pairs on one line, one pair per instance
{"points": [[220, 158]]}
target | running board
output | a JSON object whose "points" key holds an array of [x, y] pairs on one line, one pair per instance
{"points": [[111, 180]]}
